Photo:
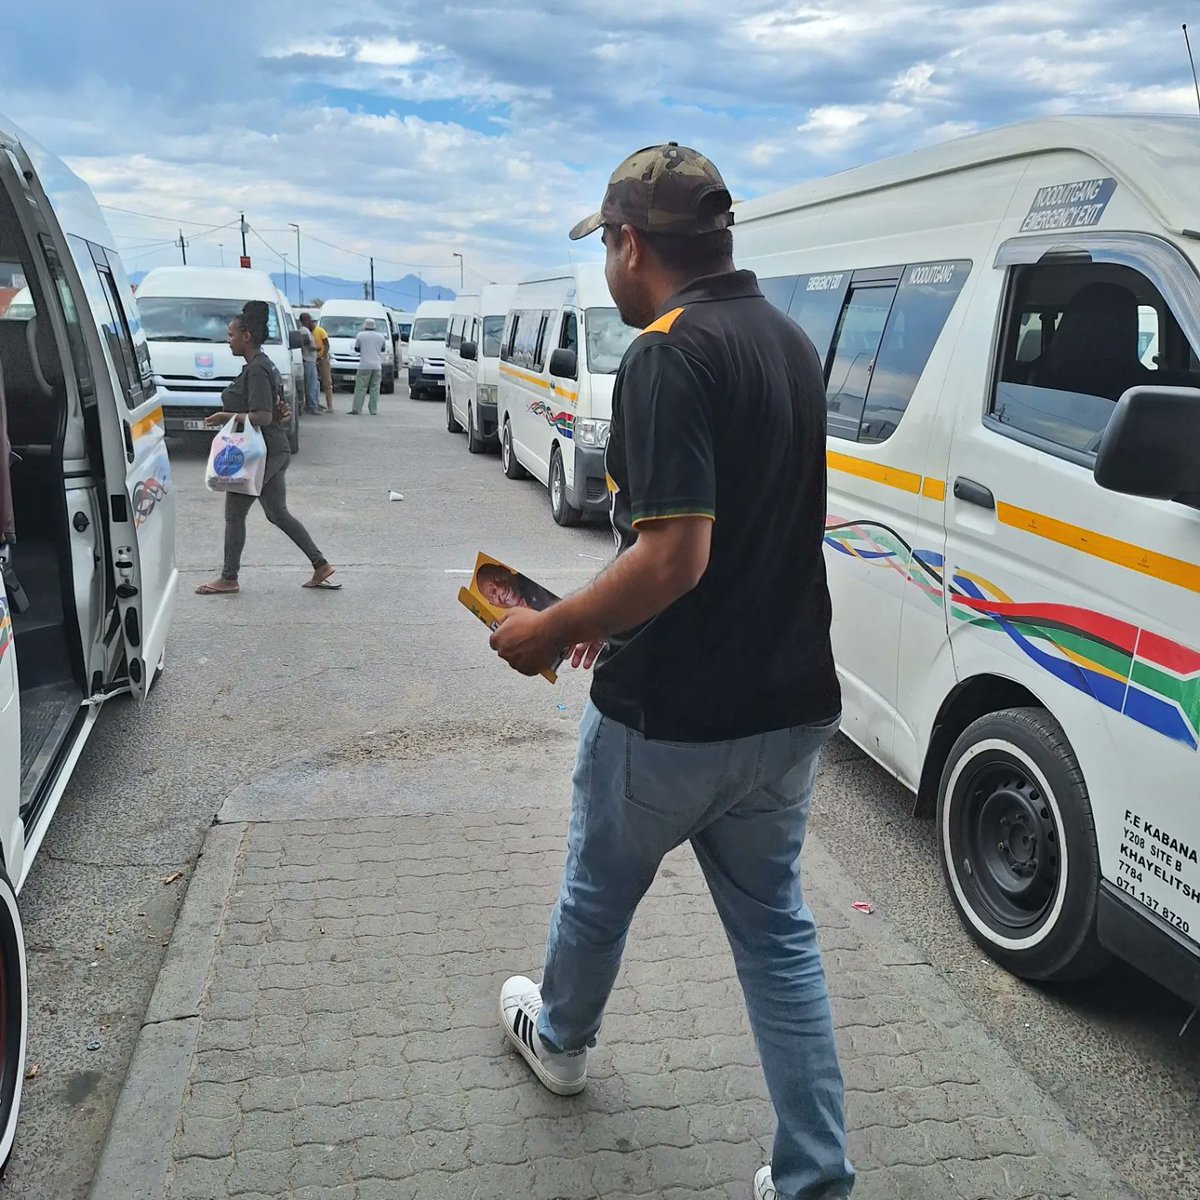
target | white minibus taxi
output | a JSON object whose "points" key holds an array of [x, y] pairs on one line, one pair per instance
{"points": [[87, 522], [1013, 524], [343, 320], [186, 313], [473, 367], [559, 353], [427, 349]]}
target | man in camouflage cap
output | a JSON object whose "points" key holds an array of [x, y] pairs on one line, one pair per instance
{"points": [[714, 686]]}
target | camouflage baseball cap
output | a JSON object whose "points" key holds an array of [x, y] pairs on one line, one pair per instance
{"points": [[663, 189]]}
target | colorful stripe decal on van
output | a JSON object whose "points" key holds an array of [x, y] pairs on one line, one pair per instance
{"points": [[5, 625], [562, 422], [1140, 674], [1177, 571]]}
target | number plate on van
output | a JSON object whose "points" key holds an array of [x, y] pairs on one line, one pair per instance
{"points": [[197, 426]]}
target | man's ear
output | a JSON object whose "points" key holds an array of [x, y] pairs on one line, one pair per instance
{"points": [[635, 251]]}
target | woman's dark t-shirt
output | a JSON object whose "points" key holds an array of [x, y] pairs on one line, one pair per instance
{"points": [[254, 390]]}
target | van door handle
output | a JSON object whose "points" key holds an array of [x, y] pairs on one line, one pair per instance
{"points": [[973, 493]]}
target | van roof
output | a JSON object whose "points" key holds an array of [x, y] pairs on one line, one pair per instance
{"points": [[591, 288], [353, 308], [496, 298], [220, 283], [72, 199], [1156, 158], [434, 308]]}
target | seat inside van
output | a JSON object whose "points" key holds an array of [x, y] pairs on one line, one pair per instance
{"points": [[34, 547]]}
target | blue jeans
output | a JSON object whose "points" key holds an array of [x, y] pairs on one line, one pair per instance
{"points": [[311, 387], [743, 804]]}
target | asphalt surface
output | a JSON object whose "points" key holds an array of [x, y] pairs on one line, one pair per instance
{"points": [[260, 686]]}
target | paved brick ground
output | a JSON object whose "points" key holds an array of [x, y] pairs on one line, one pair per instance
{"points": [[349, 1045]]}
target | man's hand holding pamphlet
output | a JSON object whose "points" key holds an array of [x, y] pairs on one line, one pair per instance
{"points": [[497, 590]]}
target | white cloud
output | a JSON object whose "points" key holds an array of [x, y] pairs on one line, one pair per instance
{"points": [[407, 129]]}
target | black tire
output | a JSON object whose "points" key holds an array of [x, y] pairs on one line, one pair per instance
{"points": [[452, 425], [294, 433], [561, 509], [14, 1016], [413, 392], [508, 456], [475, 444], [389, 382], [1018, 846]]}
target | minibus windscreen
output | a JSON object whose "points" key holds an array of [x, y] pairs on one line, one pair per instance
{"points": [[428, 329], [608, 338], [193, 319]]}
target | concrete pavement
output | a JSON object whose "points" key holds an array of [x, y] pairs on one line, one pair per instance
{"points": [[346, 1042]]}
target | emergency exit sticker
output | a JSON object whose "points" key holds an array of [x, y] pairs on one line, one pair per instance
{"points": [[1069, 205]]}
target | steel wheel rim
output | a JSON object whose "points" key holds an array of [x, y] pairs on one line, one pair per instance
{"points": [[1006, 845]]}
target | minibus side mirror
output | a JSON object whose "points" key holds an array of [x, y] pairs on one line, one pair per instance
{"points": [[403, 336], [468, 352], [1149, 445], [564, 364], [295, 339]]}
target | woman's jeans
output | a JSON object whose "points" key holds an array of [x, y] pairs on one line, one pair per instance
{"points": [[274, 502], [743, 804]]}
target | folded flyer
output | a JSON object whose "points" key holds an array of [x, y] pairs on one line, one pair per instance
{"points": [[496, 587]]}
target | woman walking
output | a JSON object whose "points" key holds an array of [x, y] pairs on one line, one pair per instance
{"points": [[253, 393]]}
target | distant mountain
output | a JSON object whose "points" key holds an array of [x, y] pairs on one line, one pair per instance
{"points": [[403, 293]]}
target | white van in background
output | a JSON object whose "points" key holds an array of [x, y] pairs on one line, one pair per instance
{"points": [[402, 324], [560, 349], [473, 367], [186, 313], [87, 525], [1010, 328], [343, 320], [427, 349]]}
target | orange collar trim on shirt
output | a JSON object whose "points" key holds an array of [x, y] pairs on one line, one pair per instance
{"points": [[664, 323]]}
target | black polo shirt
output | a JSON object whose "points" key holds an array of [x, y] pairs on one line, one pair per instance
{"points": [[719, 411]]}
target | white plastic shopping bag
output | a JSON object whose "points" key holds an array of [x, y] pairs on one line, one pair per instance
{"points": [[238, 458]]}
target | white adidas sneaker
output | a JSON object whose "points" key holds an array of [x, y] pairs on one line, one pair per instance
{"points": [[520, 1004], [764, 1185]]}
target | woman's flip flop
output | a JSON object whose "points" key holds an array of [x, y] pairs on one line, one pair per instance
{"points": [[207, 589], [324, 585]]}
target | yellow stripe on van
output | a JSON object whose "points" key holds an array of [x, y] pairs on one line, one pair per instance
{"points": [[147, 423], [905, 481], [933, 489], [571, 397], [1178, 571], [524, 376]]}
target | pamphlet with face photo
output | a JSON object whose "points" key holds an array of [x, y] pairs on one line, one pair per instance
{"points": [[496, 587]]}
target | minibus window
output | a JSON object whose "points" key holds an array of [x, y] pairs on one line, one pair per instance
{"points": [[1101, 328], [859, 332], [608, 337], [816, 305], [79, 355], [197, 319], [132, 320], [923, 302], [568, 338], [779, 290], [16, 300], [454, 337], [493, 330]]}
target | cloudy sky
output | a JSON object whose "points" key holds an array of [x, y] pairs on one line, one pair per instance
{"points": [[412, 129]]}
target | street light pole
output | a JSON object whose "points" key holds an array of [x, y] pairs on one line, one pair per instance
{"points": [[244, 228], [221, 247], [299, 270], [456, 254], [285, 291]]}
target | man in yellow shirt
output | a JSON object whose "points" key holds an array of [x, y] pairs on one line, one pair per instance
{"points": [[324, 367]]}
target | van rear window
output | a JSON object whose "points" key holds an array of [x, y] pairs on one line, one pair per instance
{"points": [[192, 319]]}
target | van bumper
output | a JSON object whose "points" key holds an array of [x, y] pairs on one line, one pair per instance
{"points": [[589, 491], [421, 378], [488, 421], [182, 411]]}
